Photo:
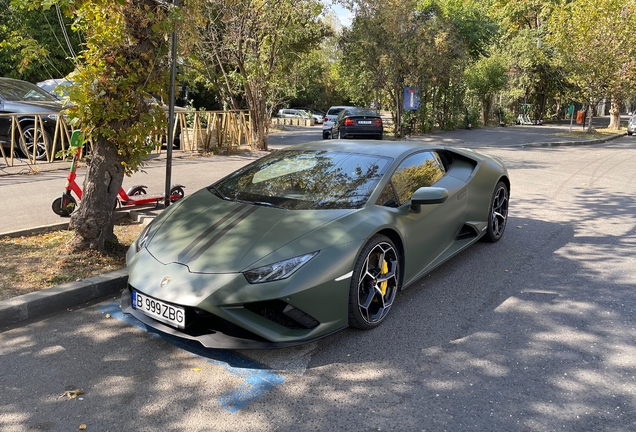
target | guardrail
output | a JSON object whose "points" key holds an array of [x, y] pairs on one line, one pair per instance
{"points": [[197, 131]]}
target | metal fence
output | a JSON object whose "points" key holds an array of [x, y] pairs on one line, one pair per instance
{"points": [[38, 139]]}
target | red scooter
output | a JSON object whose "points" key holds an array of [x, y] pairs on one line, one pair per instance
{"points": [[135, 196]]}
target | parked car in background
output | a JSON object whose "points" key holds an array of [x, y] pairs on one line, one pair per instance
{"points": [[358, 122], [317, 115], [631, 126], [330, 118], [26, 99], [293, 113], [56, 86]]}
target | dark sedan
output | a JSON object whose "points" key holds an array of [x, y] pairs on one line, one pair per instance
{"points": [[26, 100], [358, 122]]}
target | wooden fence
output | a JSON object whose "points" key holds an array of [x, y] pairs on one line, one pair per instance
{"points": [[197, 131]]}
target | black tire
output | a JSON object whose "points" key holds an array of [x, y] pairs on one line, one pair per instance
{"points": [[325, 135], [138, 190], [176, 193], [64, 205], [630, 133], [341, 134], [374, 283], [43, 143], [497, 213]]}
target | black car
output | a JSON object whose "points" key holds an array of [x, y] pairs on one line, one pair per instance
{"points": [[27, 100], [358, 122]]}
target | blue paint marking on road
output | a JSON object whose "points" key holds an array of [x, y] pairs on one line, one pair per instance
{"points": [[258, 380]]}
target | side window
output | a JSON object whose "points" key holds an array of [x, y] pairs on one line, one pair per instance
{"points": [[387, 198], [416, 171]]}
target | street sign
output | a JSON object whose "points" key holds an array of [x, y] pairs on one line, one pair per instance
{"points": [[411, 98]]}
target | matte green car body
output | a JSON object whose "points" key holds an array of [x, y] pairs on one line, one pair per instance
{"points": [[204, 244]]}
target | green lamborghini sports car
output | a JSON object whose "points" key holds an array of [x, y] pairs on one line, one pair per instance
{"points": [[311, 239]]}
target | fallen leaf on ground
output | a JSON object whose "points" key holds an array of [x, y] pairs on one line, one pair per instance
{"points": [[72, 394]]}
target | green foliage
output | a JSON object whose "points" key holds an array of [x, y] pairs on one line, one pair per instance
{"points": [[594, 41], [124, 60], [250, 50], [33, 44]]}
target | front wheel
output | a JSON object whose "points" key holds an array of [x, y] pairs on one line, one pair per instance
{"points": [[64, 205], [498, 214], [374, 283], [42, 142]]}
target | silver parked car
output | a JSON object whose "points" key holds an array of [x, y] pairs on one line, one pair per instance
{"points": [[631, 126]]}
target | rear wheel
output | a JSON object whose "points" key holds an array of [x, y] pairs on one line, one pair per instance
{"points": [[341, 134], [325, 134], [176, 193], [374, 283], [137, 190], [498, 215], [630, 133], [42, 142]]}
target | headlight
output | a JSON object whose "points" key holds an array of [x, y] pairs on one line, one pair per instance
{"points": [[142, 239], [279, 270]]}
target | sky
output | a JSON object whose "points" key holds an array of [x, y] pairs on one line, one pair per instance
{"points": [[343, 14]]}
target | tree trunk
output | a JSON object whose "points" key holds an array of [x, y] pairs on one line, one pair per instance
{"points": [[615, 115], [93, 219]]}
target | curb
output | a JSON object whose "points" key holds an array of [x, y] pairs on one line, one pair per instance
{"points": [[40, 303], [573, 143]]}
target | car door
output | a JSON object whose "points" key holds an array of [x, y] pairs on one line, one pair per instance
{"points": [[5, 123], [430, 229]]}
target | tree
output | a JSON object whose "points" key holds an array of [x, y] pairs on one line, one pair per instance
{"points": [[484, 78], [593, 38], [124, 59], [36, 44], [251, 46]]}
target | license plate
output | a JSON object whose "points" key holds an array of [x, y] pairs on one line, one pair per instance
{"points": [[164, 312], [365, 122]]}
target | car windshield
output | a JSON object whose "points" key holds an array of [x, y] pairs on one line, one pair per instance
{"points": [[22, 91], [361, 112], [305, 180]]}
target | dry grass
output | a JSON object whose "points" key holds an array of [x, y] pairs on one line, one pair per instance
{"points": [[36, 262], [595, 134]]}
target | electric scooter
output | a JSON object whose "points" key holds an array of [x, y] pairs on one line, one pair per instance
{"points": [[135, 196]]}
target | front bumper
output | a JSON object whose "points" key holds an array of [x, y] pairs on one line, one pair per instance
{"points": [[225, 311], [224, 336]]}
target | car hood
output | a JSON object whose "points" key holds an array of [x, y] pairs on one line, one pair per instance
{"points": [[210, 235]]}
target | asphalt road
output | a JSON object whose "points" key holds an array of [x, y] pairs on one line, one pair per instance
{"points": [[534, 333]]}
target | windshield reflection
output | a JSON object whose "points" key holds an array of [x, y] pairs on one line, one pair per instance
{"points": [[305, 180]]}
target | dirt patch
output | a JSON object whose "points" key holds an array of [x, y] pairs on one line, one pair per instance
{"points": [[40, 261]]}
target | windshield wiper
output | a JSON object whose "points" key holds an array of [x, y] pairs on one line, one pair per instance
{"points": [[219, 194], [262, 203]]}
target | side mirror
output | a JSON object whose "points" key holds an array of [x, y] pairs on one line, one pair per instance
{"points": [[428, 195]]}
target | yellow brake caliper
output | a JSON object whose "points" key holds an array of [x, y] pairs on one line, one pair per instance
{"points": [[385, 270]]}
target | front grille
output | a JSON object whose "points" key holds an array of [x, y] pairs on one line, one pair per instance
{"points": [[283, 314]]}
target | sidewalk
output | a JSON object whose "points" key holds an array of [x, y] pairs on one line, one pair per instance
{"points": [[39, 304]]}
